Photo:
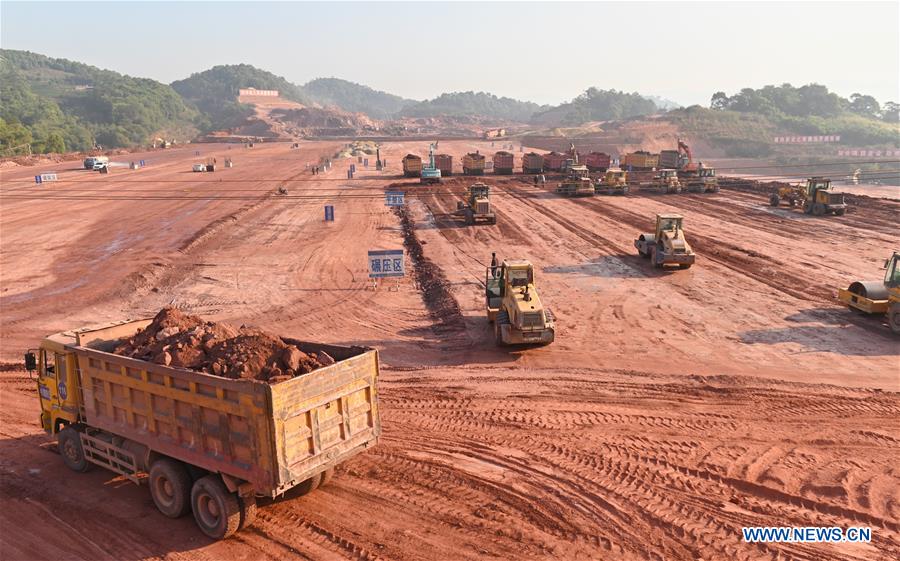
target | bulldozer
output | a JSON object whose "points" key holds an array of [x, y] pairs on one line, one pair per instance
{"points": [[477, 207], [613, 182], [877, 297], [667, 246], [513, 304], [818, 200], [666, 181], [578, 183]]}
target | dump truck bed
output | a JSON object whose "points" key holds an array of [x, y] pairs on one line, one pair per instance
{"points": [[270, 436]]}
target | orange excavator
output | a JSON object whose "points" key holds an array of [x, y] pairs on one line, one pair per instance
{"points": [[697, 178]]}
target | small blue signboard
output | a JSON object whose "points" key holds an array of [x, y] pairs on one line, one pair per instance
{"points": [[329, 213], [385, 263], [393, 198], [37, 179]]}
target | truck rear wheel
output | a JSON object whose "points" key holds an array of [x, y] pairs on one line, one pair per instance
{"points": [[248, 511], [69, 443], [309, 485], [326, 476], [216, 510], [774, 200], [170, 487]]}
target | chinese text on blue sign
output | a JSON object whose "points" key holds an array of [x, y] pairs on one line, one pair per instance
{"points": [[386, 263]]}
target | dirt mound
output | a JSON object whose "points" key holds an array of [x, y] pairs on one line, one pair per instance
{"points": [[181, 340]]}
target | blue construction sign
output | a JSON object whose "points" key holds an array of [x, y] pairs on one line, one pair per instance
{"points": [[329, 213], [393, 198], [386, 263]]}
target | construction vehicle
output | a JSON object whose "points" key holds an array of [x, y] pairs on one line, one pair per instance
{"points": [[211, 445], [613, 182], [699, 180], [667, 246], [577, 183], [695, 177], [554, 161], [597, 161], [504, 163], [666, 181], [198, 167], [91, 162], [878, 297], [639, 161], [513, 304], [412, 166], [444, 162], [532, 163], [473, 164], [818, 200], [477, 207], [793, 194], [430, 173]]}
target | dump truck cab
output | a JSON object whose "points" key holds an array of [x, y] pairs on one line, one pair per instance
{"points": [[667, 245], [514, 306], [820, 200], [57, 382]]}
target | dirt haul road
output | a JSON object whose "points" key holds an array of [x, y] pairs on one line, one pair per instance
{"points": [[673, 409]]}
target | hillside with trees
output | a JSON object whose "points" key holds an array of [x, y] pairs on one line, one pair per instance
{"points": [[355, 98], [58, 105], [596, 105], [214, 92], [459, 104], [813, 110]]}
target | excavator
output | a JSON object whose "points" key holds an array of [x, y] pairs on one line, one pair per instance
{"points": [[430, 173], [696, 178], [477, 207], [878, 297], [667, 246], [513, 305]]}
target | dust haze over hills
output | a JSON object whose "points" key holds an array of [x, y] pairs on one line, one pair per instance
{"points": [[56, 105]]}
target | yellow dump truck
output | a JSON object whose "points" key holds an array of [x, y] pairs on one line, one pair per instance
{"points": [[210, 445]]}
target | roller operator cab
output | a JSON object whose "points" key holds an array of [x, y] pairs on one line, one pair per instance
{"points": [[514, 306], [667, 245]]}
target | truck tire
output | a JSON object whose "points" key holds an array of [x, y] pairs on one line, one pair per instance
{"points": [[248, 511], [69, 443], [308, 486], [840, 212], [170, 487], [216, 510], [327, 475], [818, 209], [807, 207], [774, 200]]}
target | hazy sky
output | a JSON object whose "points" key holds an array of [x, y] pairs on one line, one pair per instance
{"points": [[541, 52]]}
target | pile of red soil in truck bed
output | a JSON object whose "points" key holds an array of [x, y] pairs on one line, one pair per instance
{"points": [[181, 340]]}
